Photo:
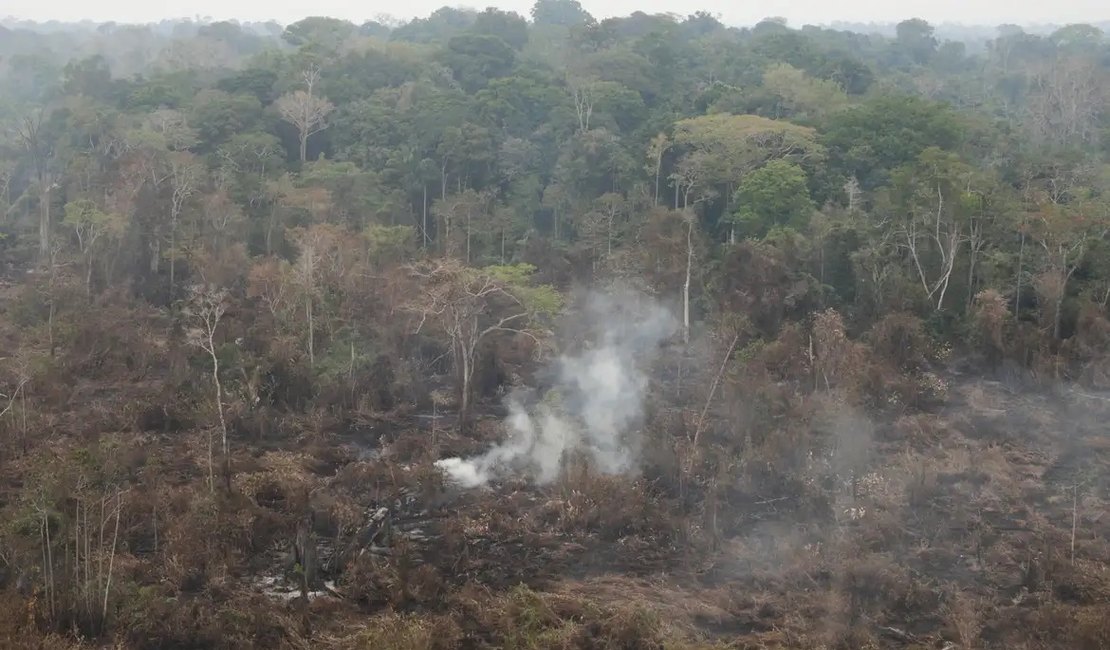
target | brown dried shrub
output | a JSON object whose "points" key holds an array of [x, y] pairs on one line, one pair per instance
{"points": [[406, 632], [990, 316], [1090, 347], [900, 340], [838, 361], [876, 582], [1065, 626], [963, 614], [209, 535], [628, 628], [610, 506]]}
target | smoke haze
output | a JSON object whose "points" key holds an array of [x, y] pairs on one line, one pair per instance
{"points": [[596, 404]]}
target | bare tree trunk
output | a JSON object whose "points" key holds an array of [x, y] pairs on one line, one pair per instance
{"points": [[686, 285], [658, 171], [76, 545], [154, 520], [311, 332], [99, 548], [44, 218], [173, 252], [1074, 518], [971, 278], [208, 307], [270, 228], [1057, 317], [304, 145], [466, 370], [211, 466], [713, 391], [48, 561], [50, 327], [425, 216], [220, 413], [111, 563], [1017, 278], [944, 288], [88, 280]]}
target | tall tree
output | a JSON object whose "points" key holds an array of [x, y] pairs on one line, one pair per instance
{"points": [[1064, 233], [773, 195], [470, 306], [720, 149], [305, 111], [931, 219], [94, 229], [186, 174], [38, 146], [205, 308]]}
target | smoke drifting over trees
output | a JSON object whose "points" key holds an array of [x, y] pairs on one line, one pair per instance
{"points": [[596, 404], [485, 330]]}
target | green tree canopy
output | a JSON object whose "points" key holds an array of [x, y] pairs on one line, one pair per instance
{"points": [[771, 196]]}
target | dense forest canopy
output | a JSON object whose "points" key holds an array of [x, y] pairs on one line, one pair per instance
{"points": [[226, 249]]}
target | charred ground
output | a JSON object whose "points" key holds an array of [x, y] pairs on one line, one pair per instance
{"points": [[975, 517], [256, 281]]}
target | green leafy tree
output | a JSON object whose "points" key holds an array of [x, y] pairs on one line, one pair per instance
{"points": [[868, 141], [470, 306], [95, 231], [798, 95], [771, 196], [506, 25], [565, 13], [319, 34], [218, 116], [933, 209], [719, 150], [915, 42], [475, 59]]}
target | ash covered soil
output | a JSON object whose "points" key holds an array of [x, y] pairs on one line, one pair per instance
{"points": [[978, 523]]}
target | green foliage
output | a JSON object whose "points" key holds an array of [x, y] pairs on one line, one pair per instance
{"points": [[912, 182], [799, 96], [90, 77], [84, 216], [218, 116], [506, 25], [542, 300], [253, 81], [741, 139], [441, 25], [319, 34], [915, 43], [885, 132], [564, 13], [534, 625], [773, 195], [475, 59], [390, 244]]}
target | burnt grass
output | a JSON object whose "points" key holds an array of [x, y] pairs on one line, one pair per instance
{"points": [[951, 526]]}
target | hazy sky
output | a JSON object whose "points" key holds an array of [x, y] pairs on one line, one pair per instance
{"points": [[982, 12]]}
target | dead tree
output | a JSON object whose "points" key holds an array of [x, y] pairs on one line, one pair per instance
{"points": [[306, 112], [205, 308], [463, 303]]}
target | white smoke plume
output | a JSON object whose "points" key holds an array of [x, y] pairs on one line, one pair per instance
{"points": [[599, 391]]}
